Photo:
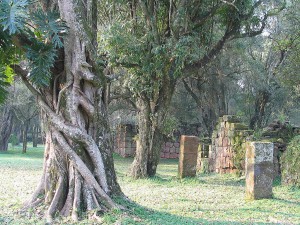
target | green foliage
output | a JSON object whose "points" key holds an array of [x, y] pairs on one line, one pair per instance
{"points": [[290, 163], [239, 152], [170, 125], [42, 57], [257, 134], [50, 26], [3, 84], [13, 15], [13, 139], [41, 32]]}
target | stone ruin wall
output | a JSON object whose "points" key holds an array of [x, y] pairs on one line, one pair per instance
{"points": [[170, 150], [125, 144], [226, 143], [225, 153], [280, 134]]}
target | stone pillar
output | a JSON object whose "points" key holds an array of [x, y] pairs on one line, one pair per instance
{"points": [[188, 156], [203, 160], [259, 170]]}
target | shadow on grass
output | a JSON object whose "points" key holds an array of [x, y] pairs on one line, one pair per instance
{"points": [[287, 202], [221, 179], [138, 214]]}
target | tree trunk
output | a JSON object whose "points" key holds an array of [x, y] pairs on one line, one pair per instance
{"points": [[78, 173], [262, 98], [209, 95], [151, 118], [24, 136], [6, 121], [35, 131]]}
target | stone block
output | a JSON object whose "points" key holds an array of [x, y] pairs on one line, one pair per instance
{"points": [[238, 126], [172, 149], [166, 149], [188, 156], [225, 141], [259, 170], [173, 155], [230, 119]]}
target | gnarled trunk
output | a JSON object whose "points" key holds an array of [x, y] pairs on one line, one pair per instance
{"points": [[6, 122], [78, 172]]}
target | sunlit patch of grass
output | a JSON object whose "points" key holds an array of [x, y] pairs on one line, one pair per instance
{"points": [[163, 199]]}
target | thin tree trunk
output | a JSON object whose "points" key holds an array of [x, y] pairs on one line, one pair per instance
{"points": [[34, 136], [24, 136], [262, 98], [6, 121]]}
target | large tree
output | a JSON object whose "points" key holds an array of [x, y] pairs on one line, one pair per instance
{"points": [[161, 41], [64, 76]]}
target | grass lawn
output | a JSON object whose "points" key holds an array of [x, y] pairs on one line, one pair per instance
{"points": [[207, 199]]}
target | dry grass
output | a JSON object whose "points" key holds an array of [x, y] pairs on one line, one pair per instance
{"points": [[207, 199]]}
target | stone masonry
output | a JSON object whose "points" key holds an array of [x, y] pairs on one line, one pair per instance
{"points": [[125, 145], [170, 150], [226, 154], [188, 156], [259, 170]]}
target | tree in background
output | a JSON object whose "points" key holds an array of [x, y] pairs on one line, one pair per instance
{"points": [[24, 108], [64, 75], [289, 40], [158, 42], [6, 121]]}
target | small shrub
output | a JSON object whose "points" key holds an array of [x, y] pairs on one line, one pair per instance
{"points": [[290, 163], [13, 139]]}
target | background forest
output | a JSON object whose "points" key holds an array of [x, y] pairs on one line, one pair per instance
{"points": [[72, 72]]}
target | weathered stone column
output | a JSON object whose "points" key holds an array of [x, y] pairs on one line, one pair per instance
{"points": [[188, 156], [259, 170], [203, 160]]}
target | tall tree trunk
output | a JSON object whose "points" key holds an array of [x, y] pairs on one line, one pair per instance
{"points": [[262, 98], [35, 133], [151, 118], [6, 121], [78, 172], [24, 136]]}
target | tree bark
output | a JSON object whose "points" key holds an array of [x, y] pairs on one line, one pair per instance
{"points": [[35, 132], [6, 121], [24, 136], [78, 173], [261, 101], [151, 118]]}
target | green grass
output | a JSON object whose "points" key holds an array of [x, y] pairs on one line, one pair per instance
{"points": [[164, 199]]}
